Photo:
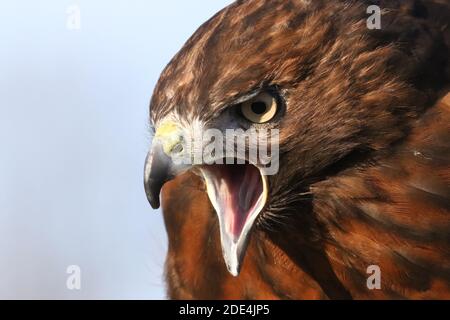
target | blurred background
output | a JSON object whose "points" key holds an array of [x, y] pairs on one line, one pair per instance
{"points": [[76, 79]]}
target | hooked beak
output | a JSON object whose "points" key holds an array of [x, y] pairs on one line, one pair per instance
{"points": [[238, 193], [157, 171]]}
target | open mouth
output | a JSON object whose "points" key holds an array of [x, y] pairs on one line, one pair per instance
{"points": [[238, 193]]}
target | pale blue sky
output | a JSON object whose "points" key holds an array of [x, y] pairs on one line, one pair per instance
{"points": [[73, 137]]}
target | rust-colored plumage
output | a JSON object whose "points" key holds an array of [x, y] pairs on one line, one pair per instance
{"points": [[364, 174]]}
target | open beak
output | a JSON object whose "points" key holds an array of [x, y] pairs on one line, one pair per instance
{"points": [[238, 193]]}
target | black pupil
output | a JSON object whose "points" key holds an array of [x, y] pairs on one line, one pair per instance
{"points": [[259, 107]]}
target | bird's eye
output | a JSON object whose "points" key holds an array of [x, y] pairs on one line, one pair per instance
{"points": [[260, 109]]}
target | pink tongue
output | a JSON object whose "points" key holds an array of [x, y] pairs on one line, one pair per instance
{"points": [[237, 188]]}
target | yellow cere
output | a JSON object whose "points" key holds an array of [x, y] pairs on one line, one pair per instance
{"points": [[169, 135]]}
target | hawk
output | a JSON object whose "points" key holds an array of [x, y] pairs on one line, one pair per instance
{"points": [[364, 150]]}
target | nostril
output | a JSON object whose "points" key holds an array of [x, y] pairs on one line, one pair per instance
{"points": [[178, 149]]}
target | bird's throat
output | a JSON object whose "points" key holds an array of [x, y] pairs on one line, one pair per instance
{"points": [[238, 193]]}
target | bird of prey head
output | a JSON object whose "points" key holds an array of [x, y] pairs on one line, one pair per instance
{"points": [[340, 94]]}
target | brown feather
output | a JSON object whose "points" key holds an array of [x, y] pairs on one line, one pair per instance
{"points": [[365, 150]]}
